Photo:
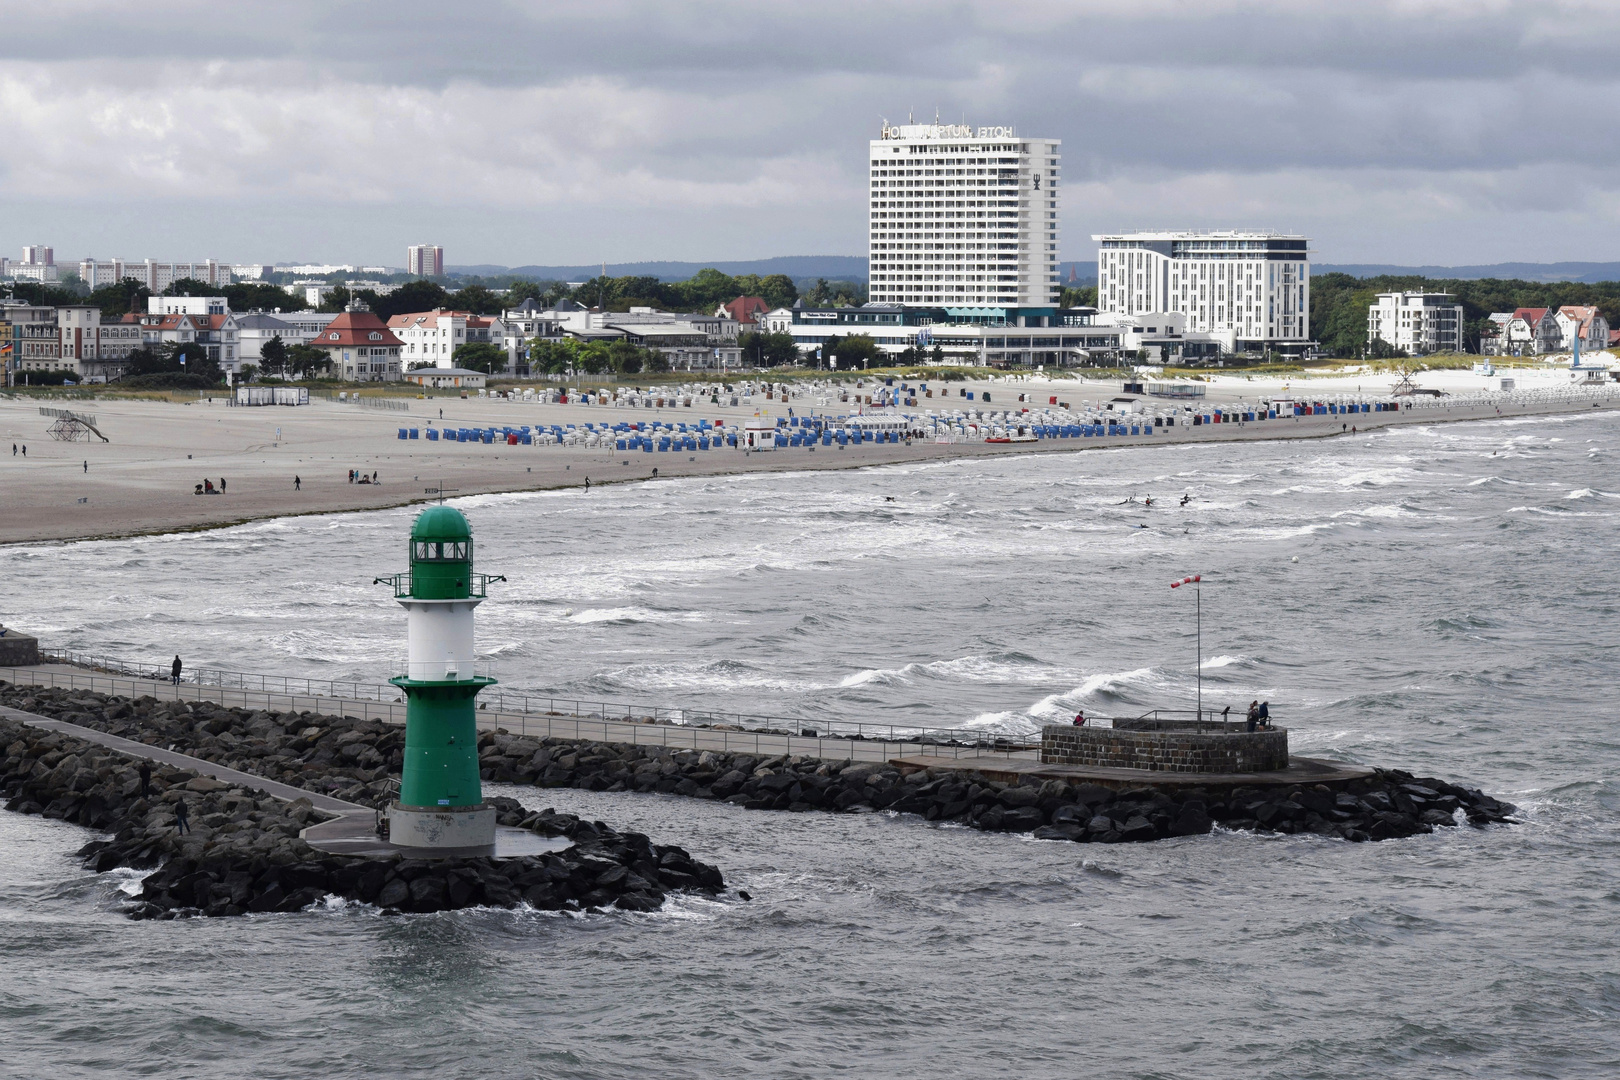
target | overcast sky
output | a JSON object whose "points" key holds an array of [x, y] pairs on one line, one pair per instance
{"points": [[1407, 131]]}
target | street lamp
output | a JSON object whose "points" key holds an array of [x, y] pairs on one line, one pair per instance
{"points": [[1195, 581]]}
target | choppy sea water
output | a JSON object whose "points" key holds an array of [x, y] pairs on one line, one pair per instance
{"points": [[1429, 598]]}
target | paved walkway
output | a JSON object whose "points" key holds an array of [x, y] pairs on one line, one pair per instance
{"points": [[539, 725], [351, 831]]}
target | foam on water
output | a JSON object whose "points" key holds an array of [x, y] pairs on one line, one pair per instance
{"points": [[1401, 599]]}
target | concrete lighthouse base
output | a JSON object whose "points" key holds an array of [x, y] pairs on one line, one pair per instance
{"points": [[441, 827]]}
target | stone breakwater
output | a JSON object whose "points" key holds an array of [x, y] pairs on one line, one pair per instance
{"points": [[351, 759], [243, 852]]}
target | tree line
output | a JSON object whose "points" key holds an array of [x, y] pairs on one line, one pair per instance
{"points": [[1339, 304]]}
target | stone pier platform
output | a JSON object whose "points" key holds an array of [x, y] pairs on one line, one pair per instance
{"points": [[1010, 770]]}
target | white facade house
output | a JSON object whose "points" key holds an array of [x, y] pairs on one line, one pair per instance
{"points": [[1417, 323], [1254, 287], [963, 216], [432, 337], [186, 305], [1585, 323]]}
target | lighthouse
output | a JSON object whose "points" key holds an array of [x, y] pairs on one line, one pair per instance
{"points": [[441, 803]]}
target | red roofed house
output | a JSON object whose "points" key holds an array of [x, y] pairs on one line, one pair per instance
{"points": [[1586, 322], [432, 337], [1532, 332], [747, 310], [360, 347]]}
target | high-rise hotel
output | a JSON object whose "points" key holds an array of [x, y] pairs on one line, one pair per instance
{"points": [[1251, 289], [963, 217]]}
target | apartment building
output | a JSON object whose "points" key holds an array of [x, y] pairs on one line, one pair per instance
{"points": [[424, 260], [1417, 323], [1250, 287], [1585, 324], [156, 276]]}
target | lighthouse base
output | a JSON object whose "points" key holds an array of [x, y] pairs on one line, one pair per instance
{"points": [[441, 827]]}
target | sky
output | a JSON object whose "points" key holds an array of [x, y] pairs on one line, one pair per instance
{"points": [[1391, 131]]}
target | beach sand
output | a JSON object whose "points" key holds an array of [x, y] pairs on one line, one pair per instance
{"points": [[143, 480]]}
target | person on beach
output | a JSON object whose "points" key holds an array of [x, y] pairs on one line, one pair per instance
{"points": [[1254, 713], [86, 466], [145, 773], [222, 485], [297, 483], [174, 670], [182, 816], [374, 477], [587, 483], [13, 449]]}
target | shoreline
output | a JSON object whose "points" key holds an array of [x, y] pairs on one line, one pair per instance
{"points": [[140, 486]]}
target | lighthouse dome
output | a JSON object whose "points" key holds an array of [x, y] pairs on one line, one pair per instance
{"points": [[441, 523]]}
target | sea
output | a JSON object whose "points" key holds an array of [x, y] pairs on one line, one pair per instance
{"points": [[1431, 598]]}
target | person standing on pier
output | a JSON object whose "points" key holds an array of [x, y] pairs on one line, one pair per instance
{"points": [[174, 670], [1254, 713]]}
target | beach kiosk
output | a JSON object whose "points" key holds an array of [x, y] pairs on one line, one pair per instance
{"points": [[441, 804]]}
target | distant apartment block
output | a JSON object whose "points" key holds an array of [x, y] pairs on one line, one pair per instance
{"points": [[39, 255], [424, 260], [38, 264], [156, 276], [1251, 289], [1417, 323]]}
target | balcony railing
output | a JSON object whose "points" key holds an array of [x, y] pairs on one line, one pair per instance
{"points": [[441, 670], [477, 586]]}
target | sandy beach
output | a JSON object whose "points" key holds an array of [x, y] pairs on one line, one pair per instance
{"points": [[143, 479]]}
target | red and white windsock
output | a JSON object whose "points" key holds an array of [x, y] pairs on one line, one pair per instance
{"points": [[1186, 581]]}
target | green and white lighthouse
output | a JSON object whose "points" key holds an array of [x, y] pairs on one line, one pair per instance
{"points": [[441, 802]]}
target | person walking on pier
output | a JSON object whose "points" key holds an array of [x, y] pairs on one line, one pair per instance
{"points": [[182, 815], [145, 773], [174, 670]]}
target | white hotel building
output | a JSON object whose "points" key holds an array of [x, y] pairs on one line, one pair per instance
{"points": [[963, 217], [1249, 290]]}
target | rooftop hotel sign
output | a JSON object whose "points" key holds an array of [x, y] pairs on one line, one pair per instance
{"points": [[946, 131]]}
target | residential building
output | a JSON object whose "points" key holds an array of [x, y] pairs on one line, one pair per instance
{"points": [[690, 342], [95, 348], [1417, 323], [360, 347], [1493, 334], [256, 329], [1585, 323], [432, 337], [156, 276], [28, 338], [1531, 332], [251, 271], [39, 255], [1253, 287], [746, 310], [523, 324], [38, 264], [961, 216], [218, 332], [309, 324], [424, 260], [187, 305]]}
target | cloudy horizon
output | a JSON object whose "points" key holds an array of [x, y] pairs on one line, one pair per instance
{"points": [[511, 133]]}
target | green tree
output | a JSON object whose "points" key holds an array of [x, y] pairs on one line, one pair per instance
{"points": [[778, 290], [522, 290], [593, 357], [260, 296], [419, 295], [191, 287], [480, 356], [337, 299], [657, 362], [273, 355], [626, 357], [307, 361], [120, 298], [478, 300], [856, 349], [1086, 296]]}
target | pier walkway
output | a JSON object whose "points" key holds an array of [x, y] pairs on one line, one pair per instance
{"points": [[351, 829], [1301, 770], [536, 724]]}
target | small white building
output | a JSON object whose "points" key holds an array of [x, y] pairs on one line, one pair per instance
{"points": [[441, 378], [1585, 323], [1417, 323]]}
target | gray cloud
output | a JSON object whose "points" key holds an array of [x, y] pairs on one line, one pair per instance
{"points": [[1405, 130]]}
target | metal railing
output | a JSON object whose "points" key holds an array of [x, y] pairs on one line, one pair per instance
{"points": [[386, 702]]}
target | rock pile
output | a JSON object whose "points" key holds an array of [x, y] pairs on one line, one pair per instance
{"points": [[242, 853], [351, 758]]}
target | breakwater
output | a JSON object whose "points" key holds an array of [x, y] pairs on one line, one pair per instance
{"points": [[243, 854], [352, 759]]}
